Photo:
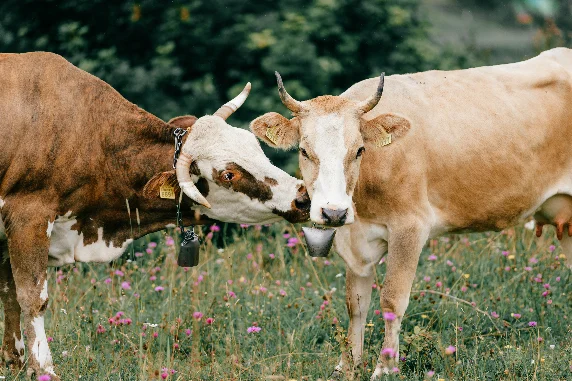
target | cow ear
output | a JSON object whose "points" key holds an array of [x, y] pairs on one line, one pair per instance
{"points": [[383, 129], [277, 131], [167, 181], [185, 121]]}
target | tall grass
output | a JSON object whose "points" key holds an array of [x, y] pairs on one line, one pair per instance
{"points": [[147, 319]]}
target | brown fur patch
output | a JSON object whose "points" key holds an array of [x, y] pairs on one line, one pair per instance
{"points": [[327, 104], [245, 183], [270, 181]]}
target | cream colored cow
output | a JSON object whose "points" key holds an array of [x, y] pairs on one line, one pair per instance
{"points": [[468, 150]]}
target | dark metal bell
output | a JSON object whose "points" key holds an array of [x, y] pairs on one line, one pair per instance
{"points": [[319, 241], [189, 251]]}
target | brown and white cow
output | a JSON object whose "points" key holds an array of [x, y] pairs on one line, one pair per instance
{"points": [[468, 150], [73, 150]]}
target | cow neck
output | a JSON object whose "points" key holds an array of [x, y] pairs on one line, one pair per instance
{"points": [[133, 153]]}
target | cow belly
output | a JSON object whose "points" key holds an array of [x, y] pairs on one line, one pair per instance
{"points": [[67, 245]]}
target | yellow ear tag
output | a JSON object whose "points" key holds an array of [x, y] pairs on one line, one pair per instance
{"points": [[272, 134], [167, 191], [383, 140]]}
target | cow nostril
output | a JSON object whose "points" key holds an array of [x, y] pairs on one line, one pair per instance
{"points": [[334, 217], [302, 203]]}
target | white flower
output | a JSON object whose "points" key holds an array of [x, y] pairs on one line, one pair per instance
{"points": [[530, 225], [339, 275]]}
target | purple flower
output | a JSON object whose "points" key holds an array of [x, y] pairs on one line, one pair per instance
{"points": [[107, 281], [450, 350], [125, 286], [432, 257], [159, 288], [389, 316], [215, 228], [152, 245], [138, 254], [44, 377], [388, 352], [197, 315], [253, 329], [495, 315], [516, 316], [532, 324], [551, 248], [533, 260], [119, 273], [426, 278]]}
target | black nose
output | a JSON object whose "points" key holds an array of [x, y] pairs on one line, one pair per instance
{"points": [[334, 217], [302, 200]]}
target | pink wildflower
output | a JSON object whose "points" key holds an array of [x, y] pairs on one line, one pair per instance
{"points": [[198, 315], [389, 316], [450, 350], [159, 288], [253, 329]]}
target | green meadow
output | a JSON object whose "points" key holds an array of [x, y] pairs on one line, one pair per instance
{"points": [[259, 308]]}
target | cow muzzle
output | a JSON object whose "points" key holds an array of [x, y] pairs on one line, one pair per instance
{"points": [[334, 217]]}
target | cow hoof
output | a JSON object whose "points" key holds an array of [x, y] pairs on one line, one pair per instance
{"points": [[35, 374], [337, 374]]}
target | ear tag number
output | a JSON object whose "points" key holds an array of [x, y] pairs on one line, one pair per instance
{"points": [[383, 140], [167, 191], [272, 134]]}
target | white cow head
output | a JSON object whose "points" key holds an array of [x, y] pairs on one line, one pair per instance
{"points": [[332, 133], [224, 170]]}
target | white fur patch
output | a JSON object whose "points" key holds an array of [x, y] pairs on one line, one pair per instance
{"points": [[220, 145], [67, 245], [1, 203], [40, 349], [330, 185], [19, 346], [44, 292], [50, 228]]}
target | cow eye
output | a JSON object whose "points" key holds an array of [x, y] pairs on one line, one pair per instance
{"points": [[303, 152], [360, 152], [227, 176]]}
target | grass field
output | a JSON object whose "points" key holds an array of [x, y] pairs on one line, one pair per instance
{"points": [[503, 300]]}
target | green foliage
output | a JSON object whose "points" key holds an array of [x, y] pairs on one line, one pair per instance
{"points": [[189, 57]]}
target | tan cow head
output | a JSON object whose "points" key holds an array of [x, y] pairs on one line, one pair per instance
{"points": [[224, 170], [332, 134]]}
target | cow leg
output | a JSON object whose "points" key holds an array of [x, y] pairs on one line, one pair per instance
{"points": [[28, 245], [405, 246], [13, 343], [361, 247]]}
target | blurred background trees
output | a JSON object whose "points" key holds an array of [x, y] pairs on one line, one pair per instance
{"points": [[189, 57]]}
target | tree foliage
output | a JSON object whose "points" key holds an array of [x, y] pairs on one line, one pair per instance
{"points": [[189, 57]]}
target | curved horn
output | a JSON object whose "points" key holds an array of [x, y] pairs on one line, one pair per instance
{"points": [[291, 103], [372, 101], [182, 169], [231, 106]]}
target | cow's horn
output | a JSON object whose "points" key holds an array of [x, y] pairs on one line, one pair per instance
{"points": [[291, 103], [184, 178], [230, 107], [372, 101]]}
